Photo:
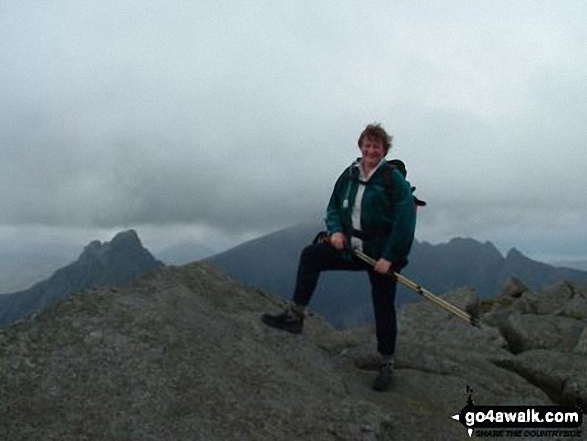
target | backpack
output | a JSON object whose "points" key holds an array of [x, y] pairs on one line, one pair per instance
{"points": [[401, 167]]}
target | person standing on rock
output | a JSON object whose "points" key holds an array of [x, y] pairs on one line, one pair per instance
{"points": [[371, 209]]}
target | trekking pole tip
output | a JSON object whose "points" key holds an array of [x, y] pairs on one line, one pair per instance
{"points": [[474, 310]]}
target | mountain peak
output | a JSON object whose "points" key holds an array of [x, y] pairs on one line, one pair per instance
{"points": [[113, 263], [514, 253], [125, 242], [128, 237], [93, 246]]}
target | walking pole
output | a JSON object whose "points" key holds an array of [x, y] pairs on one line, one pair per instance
{"points": [[439, 301]]}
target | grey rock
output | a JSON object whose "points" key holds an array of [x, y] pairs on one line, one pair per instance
{"points": [[575, 308], [525, 332], [427, 323], [581, 347], [555, 298], [560, 375], [524, 304], [513, 287]]}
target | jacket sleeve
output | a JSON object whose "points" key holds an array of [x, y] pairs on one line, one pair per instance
{"points": [[334, 210], [403, 219]]}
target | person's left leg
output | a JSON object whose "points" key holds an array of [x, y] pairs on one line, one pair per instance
{"points": [[383, 288]]}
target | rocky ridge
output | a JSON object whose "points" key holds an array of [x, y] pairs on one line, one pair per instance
{"points": [[181, 354], [113, 263]]}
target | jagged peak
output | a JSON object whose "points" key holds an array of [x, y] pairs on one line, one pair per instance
{"points": [[514, 253], [93, 246], [463, 240], [128, 240], [469, 242], [127, 237]]}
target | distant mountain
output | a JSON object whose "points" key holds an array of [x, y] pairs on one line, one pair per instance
{"points": [[113, 263], [458, 263], [20, 271], [182, 253], [574, 264], [535, 274], [23, 265], [270, 262], [467, 262]]}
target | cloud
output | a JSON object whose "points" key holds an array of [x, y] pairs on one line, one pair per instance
{"points": [[239, 117]]}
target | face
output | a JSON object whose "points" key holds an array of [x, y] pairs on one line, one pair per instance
{"points": [[373, 151]]}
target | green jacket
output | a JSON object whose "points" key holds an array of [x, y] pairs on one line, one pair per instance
{"points": [[388, 212]]}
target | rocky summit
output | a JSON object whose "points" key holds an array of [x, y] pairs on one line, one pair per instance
{"points": [[181, 354]]}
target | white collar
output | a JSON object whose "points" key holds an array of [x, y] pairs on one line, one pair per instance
{"points": [[359, 162]]}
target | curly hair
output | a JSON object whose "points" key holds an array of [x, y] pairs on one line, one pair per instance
{"points": [[378, 133]]}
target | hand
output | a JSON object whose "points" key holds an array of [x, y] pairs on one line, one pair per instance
{"points": [[338, 241], [382, 266]]}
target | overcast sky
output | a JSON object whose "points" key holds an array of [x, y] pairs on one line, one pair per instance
{"points": [[221, 120]]}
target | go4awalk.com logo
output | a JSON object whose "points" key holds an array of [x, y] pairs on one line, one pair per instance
{"points": [[521, 421]]}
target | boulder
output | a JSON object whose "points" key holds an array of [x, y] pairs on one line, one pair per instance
{"points": [[560, 375], [525, 332], [555, 298], [514, 288], [427, 323], [575, 308]]}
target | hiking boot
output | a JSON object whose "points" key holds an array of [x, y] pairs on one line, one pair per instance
{"points": [[289, 320], [384, 376]]}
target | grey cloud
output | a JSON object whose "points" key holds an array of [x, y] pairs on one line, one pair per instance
{"points": [[241, 117]]}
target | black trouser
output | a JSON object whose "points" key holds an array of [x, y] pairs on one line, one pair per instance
{"points": [[322, 257]]}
